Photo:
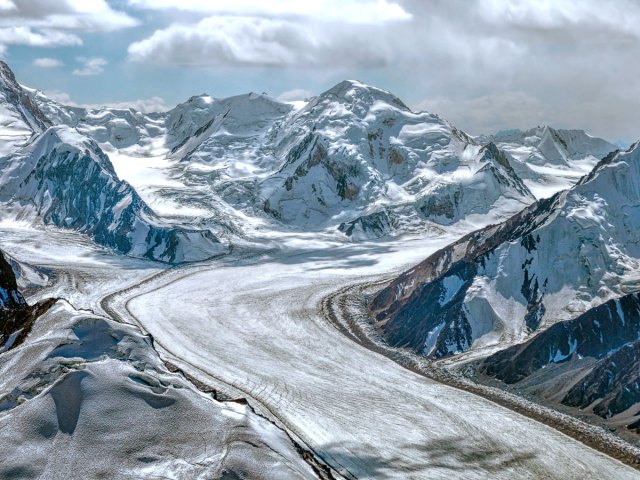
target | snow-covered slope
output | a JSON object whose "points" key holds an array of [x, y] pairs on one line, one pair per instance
{"points": [[355, 151], [119, 128], [551, 262], [20, 117], [352, 154], [547, 145], [354, 159], [65, 179], [548, 159], [211, 130]]}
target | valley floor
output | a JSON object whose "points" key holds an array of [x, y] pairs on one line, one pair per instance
{"points": [[250, 325]]}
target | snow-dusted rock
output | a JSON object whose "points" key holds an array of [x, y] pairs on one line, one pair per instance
{"points": [[591, 362], [354, 155], [16, 315], [547, 145], [115, 127], [65, 179], [549, 160]]}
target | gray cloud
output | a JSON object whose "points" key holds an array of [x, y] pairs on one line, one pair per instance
{"points": [[252, 41], [45, 23], [516, 64], [484, 64], [343, 11]]}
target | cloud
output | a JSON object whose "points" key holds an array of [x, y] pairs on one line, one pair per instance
{"points": [[43, 38], [147, 105], [615, 16], [283, 33], [81, 15], [344, 11], [252, 41], [490, 113], [295, 95], [47, 62], [7, 5], [43, 23], [91, 66], [486, 64]]}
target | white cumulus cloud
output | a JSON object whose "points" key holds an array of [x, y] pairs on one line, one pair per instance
{"points": [[45, 23], [7, 5], [90, 66], [42, 38], [347, 11], [253, 41], [47, 62]]}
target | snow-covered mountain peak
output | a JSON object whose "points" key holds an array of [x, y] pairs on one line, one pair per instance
{"points": [[616, 178], [548, 145], [13, 97], [191, 123], [20, 117], [353, 98], [64, 138]]}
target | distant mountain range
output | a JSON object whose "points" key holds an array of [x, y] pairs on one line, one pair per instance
{"points": [[354, 160]]}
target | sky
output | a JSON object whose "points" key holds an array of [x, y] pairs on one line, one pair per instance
{"points": [[484, 65]]}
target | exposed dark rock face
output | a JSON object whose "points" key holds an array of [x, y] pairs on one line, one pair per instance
{"points": [[609, 333], [581, 243], [16, 316], [373, 225], [315, 154], [596, 333], [614, 384], [66, 179], [419, 303]]}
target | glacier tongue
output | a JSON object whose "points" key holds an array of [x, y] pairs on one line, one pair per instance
{"points": [[79, 376]]}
